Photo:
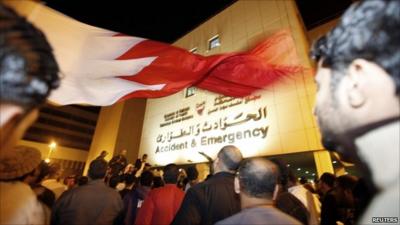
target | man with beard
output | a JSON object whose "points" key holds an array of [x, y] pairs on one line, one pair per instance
{"points": [[357, 103]]}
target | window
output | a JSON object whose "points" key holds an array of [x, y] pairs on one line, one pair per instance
{"points": [[214, 42], [190, 91]]}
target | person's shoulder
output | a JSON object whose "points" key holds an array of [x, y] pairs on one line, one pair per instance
{"points": [[199, 187], [177, 191], [164, 190], [260, 215], [196, 190], [286, 197], [69, 194], [213, 182], [16, 186], [234, 219], [97, 187], [111, 191], [16, 190], [297, 189], [330, 196], [283, 217], [155, 191], [111, 194], [221, 178]]}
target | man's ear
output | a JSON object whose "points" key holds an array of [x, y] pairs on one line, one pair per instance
{"points": [[9, 113], [215, 163], [237, 185], [14, 129], [357, 79], [276, 192]]}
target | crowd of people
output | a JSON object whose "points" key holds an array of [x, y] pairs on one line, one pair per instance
{"points": [[240, 191], [357, 109]]}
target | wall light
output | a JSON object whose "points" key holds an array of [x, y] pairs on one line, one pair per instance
{"points": [[52, 146]]}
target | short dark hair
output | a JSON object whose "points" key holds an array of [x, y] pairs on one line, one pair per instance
{"points": [[292, 177], [82, 180], [28, 68], [346, 182], [158, 182], [192, 173], [146, 179], [328, 179], [97, 169], [114, 180], [230, 156], [258, 177], [130, 179], [368, 30], [171, 173], [303, 180], [44, 170], [283, 176]]}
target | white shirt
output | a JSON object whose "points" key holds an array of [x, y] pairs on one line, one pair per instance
{"points": [[309, 200], [55, 186], [19, 204], [379, 148]]}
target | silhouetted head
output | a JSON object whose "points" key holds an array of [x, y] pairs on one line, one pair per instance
{"points": [[258, 178], [228, 159]]}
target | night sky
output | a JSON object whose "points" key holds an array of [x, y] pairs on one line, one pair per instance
{"points": [[160, 20], [168, 20]]}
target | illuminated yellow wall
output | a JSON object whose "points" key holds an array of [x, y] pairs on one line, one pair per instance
{"points": [[130, 128], [105, 136], [59, 153], [118, 127], [292, 127]]}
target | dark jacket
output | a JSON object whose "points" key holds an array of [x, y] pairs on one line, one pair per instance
{"points": [[329, 208], [292, 206], [209, 201], [45, 195], [93, 203], [132, 201], [138, 163], [117, 164], [335, 208]]}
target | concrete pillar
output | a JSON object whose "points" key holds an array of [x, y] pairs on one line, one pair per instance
{"points": [[340, 171], [118, 127], [323, 162], [130, 128]]}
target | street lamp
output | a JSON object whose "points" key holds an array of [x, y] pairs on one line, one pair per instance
{"points": [[52, 147]]}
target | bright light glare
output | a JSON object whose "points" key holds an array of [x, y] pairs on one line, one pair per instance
{"points": [[53, 144]]}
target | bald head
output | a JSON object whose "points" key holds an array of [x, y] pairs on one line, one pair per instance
{"points": [[230, 156], [258, 177]]}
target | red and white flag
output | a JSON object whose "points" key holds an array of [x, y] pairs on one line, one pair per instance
{"points": [[101, 67]]}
